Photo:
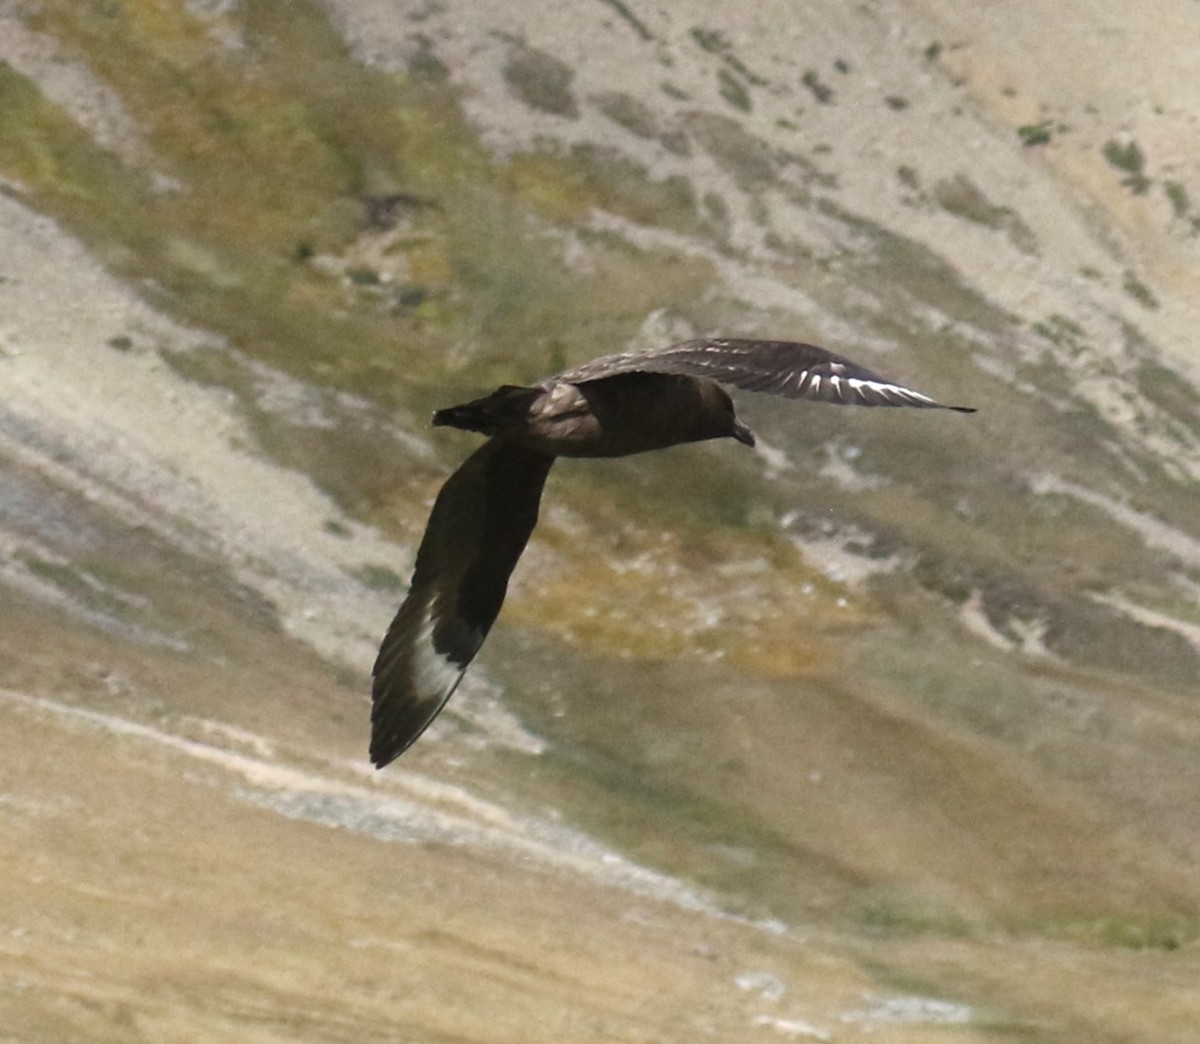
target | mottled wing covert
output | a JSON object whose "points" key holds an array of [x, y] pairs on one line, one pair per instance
{"points": [[787, 368]]}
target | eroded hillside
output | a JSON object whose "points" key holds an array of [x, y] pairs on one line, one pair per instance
{"points": [[886, 729]]}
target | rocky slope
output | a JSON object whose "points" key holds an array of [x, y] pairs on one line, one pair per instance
{"points": [[886, 730]]}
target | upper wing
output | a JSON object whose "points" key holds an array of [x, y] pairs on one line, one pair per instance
{"points": [[479, 526], [788, 368]]}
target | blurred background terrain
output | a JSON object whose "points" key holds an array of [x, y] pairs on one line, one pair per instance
{"points": [[887, 730]]}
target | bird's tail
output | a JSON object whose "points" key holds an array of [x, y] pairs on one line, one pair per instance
{"points": [[505, 408]]}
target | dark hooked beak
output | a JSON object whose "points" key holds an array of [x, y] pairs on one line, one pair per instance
{"points": [[743, 434]]}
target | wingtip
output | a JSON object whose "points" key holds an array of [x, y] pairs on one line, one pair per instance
{"points": [[378, 758], [962, 409], [382, 756]]}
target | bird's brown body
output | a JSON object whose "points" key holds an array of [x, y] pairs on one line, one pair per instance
{"points": [[612, 407], [612, 417]]}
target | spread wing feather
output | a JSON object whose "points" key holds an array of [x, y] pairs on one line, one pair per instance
{"points": [[787, 368], [477, 530]]}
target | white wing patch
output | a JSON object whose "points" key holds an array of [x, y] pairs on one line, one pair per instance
{"points": [[435, 676], [886, 389], [788, 368]]}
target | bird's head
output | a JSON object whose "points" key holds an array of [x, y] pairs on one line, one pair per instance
{"points": [[731, 427], [742, 433]]}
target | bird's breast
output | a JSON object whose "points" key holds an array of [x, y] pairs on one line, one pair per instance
{"points": [[619, 416]]}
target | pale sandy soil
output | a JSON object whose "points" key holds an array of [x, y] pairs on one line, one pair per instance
{"points": [[152, 890]]}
